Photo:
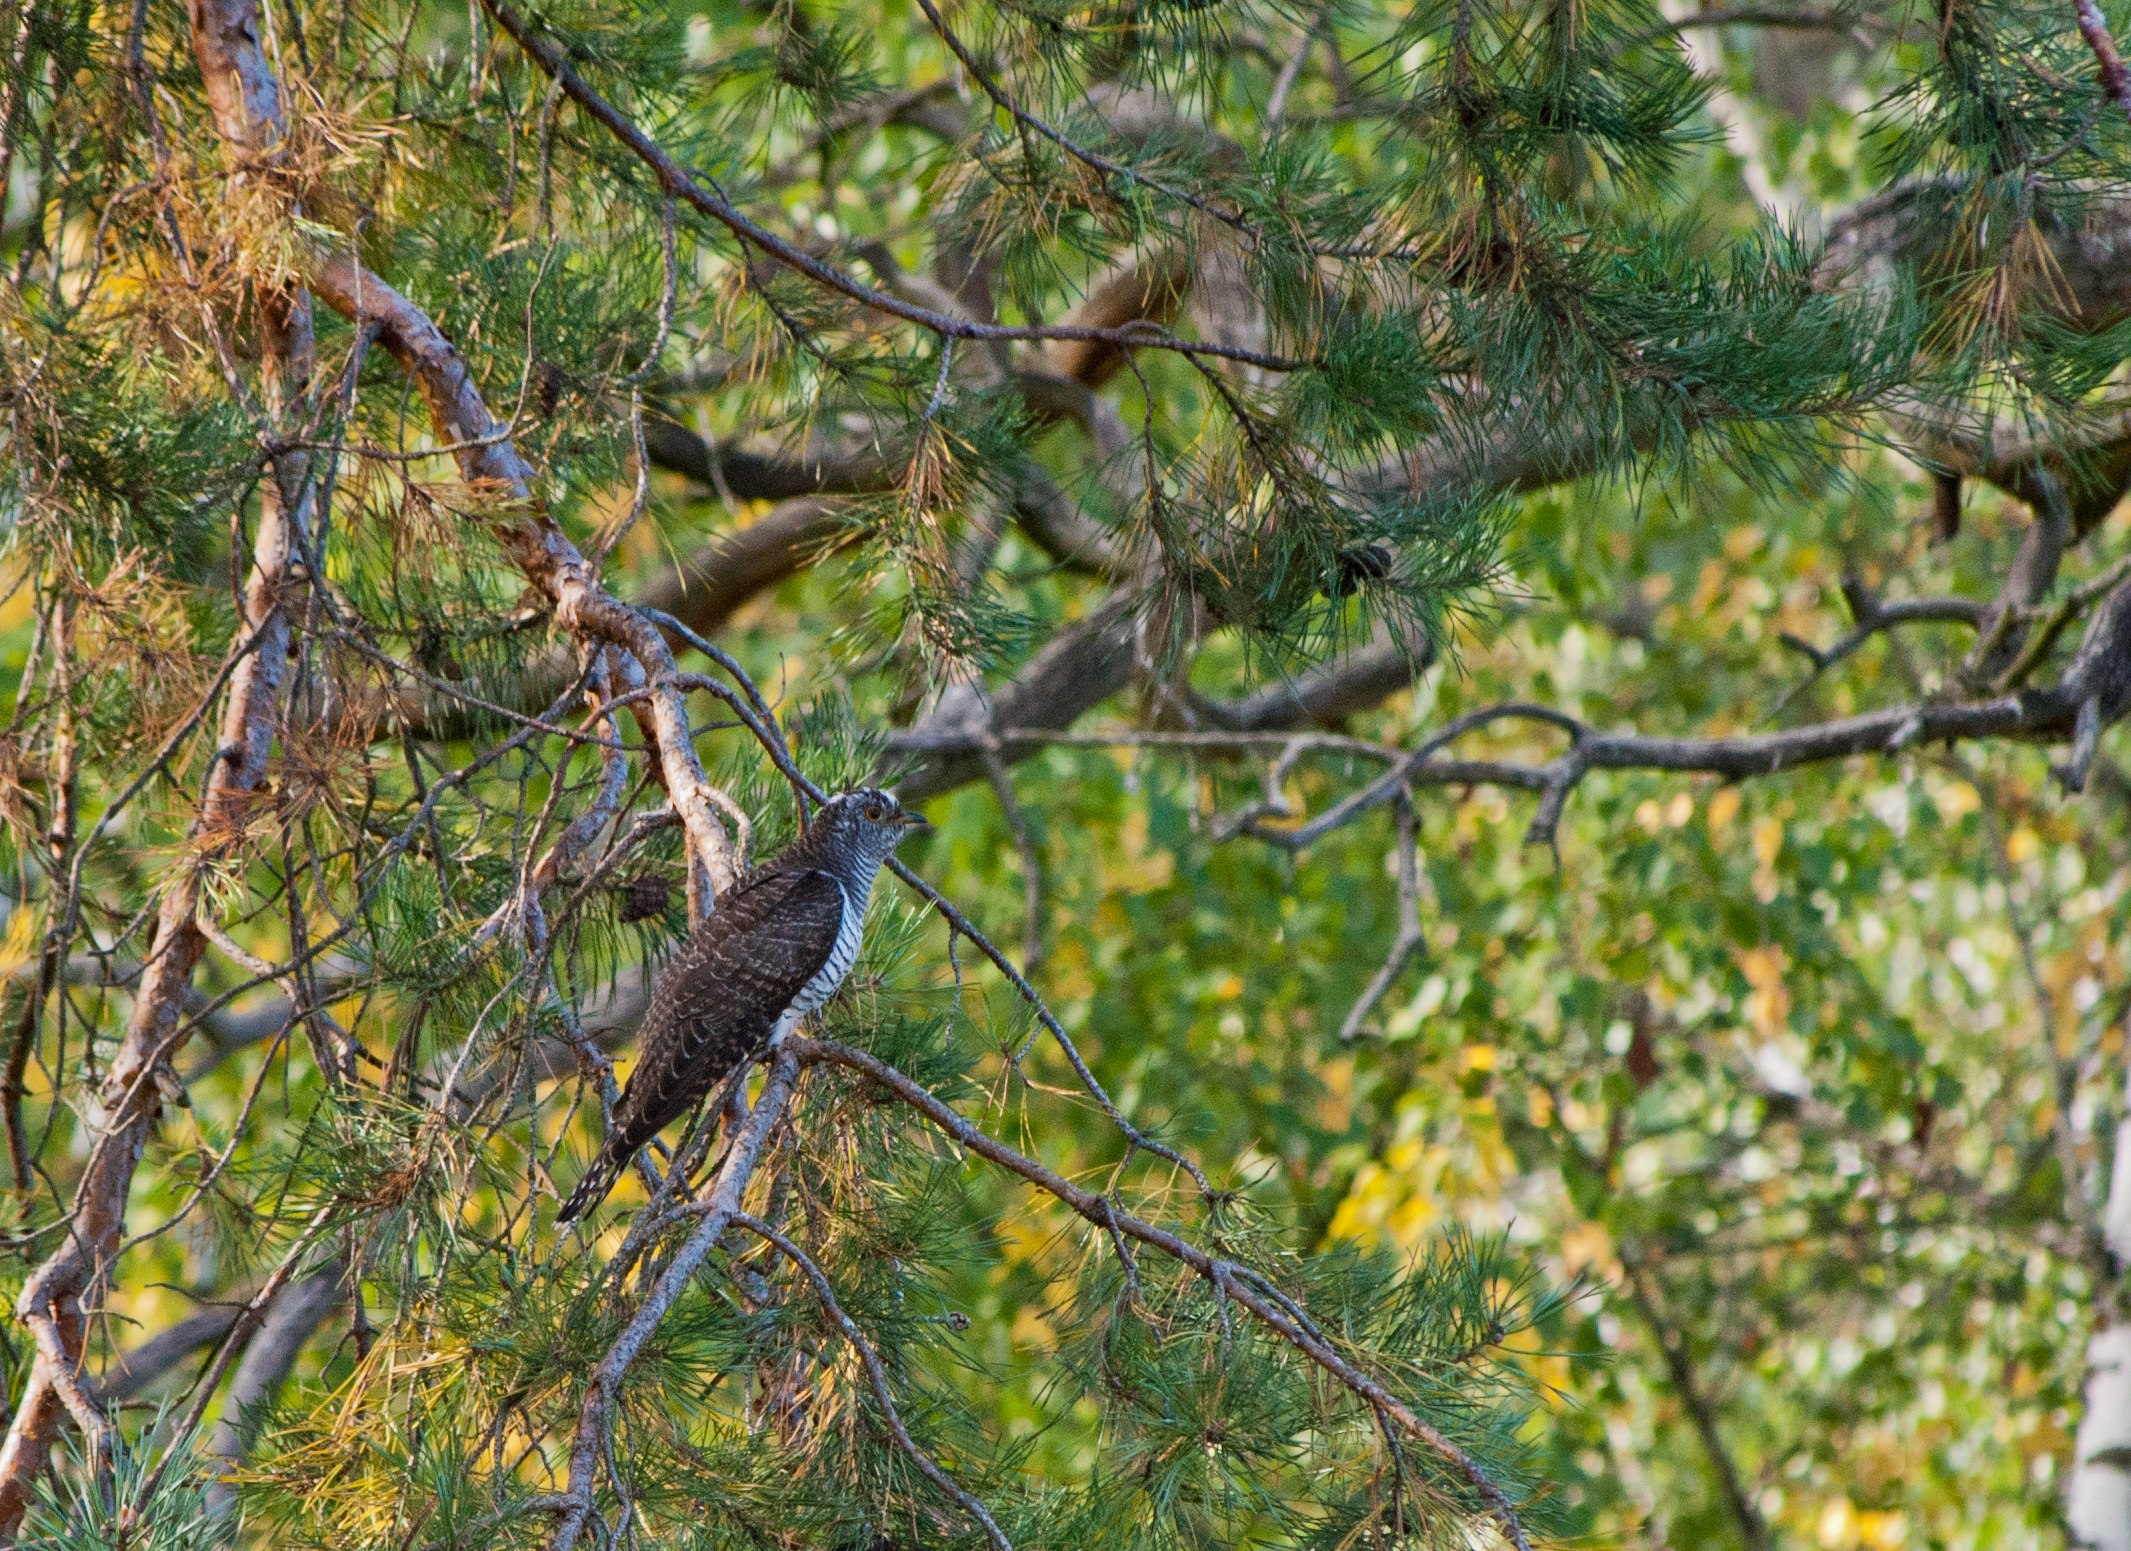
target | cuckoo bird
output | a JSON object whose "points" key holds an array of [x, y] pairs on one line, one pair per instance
{"points": [[776, 948]]}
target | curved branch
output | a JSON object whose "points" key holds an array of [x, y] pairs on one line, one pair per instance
{"points": [[247, 109], [532, 538], [269, 1357], [877, 1376], [135, 1370], [677, 181], [1231, 1280]]}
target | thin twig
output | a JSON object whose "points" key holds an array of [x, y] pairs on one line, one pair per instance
{"points": [[1227, 1279], [679, 182], [878, 1377], [1409, 938]]}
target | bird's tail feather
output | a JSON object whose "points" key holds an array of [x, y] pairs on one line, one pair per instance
{"points": [[593, 1188]]}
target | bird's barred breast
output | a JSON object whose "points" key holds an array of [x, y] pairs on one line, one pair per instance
{"points": [[849, 932]]}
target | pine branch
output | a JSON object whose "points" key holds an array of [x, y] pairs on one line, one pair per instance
{"points": [[1230, 1280], [530, 535], [877, 1377], [678, 182], [53, 1302], [715, 1212]]}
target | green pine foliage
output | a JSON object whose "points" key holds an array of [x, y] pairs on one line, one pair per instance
{"points": [[1481, 250]]}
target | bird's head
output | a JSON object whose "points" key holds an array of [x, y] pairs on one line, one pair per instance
{"points": [[868, 821]]}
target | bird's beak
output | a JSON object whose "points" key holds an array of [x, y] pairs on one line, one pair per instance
{"points": [[911, 820]]}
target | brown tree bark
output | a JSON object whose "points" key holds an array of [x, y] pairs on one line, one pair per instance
{"points": [[56, 1299]]}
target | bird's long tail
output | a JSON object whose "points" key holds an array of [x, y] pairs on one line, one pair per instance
{"points": [[593, 1188]]}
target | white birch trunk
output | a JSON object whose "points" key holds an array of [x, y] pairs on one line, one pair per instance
{"points": [[2098, 1503]]}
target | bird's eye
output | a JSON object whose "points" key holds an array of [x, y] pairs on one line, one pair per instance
{"points": [[874, 812]]}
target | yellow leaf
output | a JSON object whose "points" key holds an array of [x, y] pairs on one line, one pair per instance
{"points": [[1770, 1003], [1584, 1245], [1741, 542], [1768, 840], [1954, 800], [1883, 1531], [19, 943]]}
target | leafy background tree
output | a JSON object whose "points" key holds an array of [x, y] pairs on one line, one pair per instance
{"points": [[1510, 617]]}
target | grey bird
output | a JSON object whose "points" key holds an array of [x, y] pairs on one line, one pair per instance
{"points": [[773, 950]]}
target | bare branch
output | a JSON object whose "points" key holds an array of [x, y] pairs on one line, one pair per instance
{"points": [[1409, 938], [1359, 681], [2094, 692], [1873, 616], [1686, 1384]]}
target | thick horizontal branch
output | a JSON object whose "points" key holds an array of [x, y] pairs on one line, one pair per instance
{"points": [[134, 1371], [2094, 692], [1092, 660], [1079, 668], [755, 476], [738, 566], [1357, 682]]}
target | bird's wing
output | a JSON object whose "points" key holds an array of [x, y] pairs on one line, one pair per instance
{"points": [[720, 997]]}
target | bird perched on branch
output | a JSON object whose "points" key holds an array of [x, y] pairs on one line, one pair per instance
{"points": [[776, 948]]}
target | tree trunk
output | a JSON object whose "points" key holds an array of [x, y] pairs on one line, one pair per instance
{"points": [[2098, 1503]]}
